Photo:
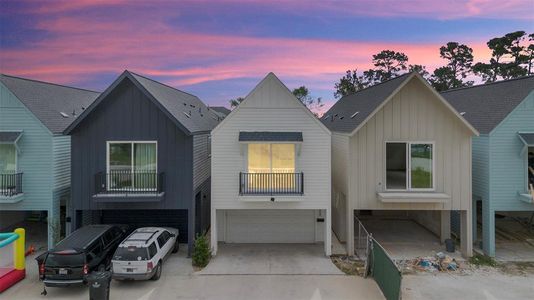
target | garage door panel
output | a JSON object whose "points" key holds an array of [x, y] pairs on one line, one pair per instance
{"points": [[251, 226]]}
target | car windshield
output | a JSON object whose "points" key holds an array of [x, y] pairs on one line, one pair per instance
{"points": [[65, 260], [131, 254]]}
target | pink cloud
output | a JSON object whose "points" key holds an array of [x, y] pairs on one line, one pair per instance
{"points": [[76, 52]]}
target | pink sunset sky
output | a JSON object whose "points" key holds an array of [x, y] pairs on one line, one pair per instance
{"points": [[219, 50]]}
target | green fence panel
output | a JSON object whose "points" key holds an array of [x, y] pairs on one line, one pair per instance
{"points": [[385, 272]]}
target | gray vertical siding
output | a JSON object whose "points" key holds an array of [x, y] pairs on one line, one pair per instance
{"points": [[127, 114]]}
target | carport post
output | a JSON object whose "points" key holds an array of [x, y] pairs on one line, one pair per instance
{"points": [[213, 231], [328, 233], [466, 239], [445, 225]]}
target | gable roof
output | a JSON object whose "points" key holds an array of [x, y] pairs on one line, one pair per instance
{"points": [[187, 111], [487, 105], [351, 112], [221, 110], [271, 77], [52, 104]]}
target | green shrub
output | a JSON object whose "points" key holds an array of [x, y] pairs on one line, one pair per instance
{"points": [[482, 260], [201, 252]]}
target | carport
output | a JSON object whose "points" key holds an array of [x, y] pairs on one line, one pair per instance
{"points": [[408, 234]]}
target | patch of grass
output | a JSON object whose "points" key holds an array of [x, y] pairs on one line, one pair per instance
{"points": [[421, 178], [482, 260], [348, 265]]}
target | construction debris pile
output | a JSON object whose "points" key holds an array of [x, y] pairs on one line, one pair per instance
{"points": [[438, 263]]}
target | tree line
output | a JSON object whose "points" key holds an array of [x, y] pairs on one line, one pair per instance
{"points": [[512, 56]]}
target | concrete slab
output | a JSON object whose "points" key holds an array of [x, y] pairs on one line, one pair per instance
{"points": [[479, 285], [405, 239], [513, 241], [271, 259], [178, 281]]}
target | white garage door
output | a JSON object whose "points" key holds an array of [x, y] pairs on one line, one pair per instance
{"points": [[270, 226]]}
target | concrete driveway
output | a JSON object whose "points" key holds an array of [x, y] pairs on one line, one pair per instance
{"points": [[178, 281], [271, 259]]}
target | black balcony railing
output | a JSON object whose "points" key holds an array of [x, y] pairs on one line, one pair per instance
{"points": [[271, 184], [122, 182], [10, 184]]}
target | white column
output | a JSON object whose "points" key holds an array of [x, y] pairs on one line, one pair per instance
{"points": [[466, 239], [445, 225], [328, 232], [213, 230]]}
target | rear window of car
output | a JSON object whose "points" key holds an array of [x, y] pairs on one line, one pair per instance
{"points": [[152, 250], [131, 254], [64, 260]]}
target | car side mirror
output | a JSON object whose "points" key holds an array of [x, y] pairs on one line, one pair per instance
{"points": [[173, 235]]}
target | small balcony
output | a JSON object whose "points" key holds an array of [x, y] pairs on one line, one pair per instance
{"points": [[270, 184], [11, 187], [127, 186]]}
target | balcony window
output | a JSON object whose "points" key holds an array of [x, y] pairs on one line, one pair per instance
{"points": [[8, 158], [409, 166], [271, 170], [271, 158], [132, 165]]}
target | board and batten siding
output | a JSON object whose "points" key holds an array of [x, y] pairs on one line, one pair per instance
{"points": [[413, 114], [508, 169], [35, 158], [128, 115]]}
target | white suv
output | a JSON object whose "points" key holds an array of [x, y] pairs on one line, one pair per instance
{"points": [[141, 255]]}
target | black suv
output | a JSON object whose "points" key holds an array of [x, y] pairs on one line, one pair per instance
{"points": [[88, 249]]}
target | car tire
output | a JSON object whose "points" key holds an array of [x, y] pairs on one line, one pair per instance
{"points": [[157, 274], [176, 247]]}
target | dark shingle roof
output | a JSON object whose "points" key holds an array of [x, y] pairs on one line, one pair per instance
{"points": [[221, 110], [528, 138], [47, 100], [9, 136], [269, 136], [184, 109], [485, 106], [350, 111], [188, 109]]}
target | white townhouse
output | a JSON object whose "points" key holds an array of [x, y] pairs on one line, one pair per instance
{"points": [[271, 176]]}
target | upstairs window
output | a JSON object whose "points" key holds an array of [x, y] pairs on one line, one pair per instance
{"points": [[409, 166], [132, 165], [8, 158], [271, 158]]}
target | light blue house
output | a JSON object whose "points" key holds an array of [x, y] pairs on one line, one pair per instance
{"points": [[34, 153], [503, 113]]}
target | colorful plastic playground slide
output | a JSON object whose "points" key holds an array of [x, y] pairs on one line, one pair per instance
{"points": [[11, 275]]}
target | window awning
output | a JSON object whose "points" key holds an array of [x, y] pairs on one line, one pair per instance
{"points": [[527, 138], [10, 137], [270, 136]]}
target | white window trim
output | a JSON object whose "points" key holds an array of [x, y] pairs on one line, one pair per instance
{"points": [[108, 143], [409, 167], [270, 161]]}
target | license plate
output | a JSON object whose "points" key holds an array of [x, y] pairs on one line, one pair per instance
{"points": [[63, 272], [129, 270]]}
